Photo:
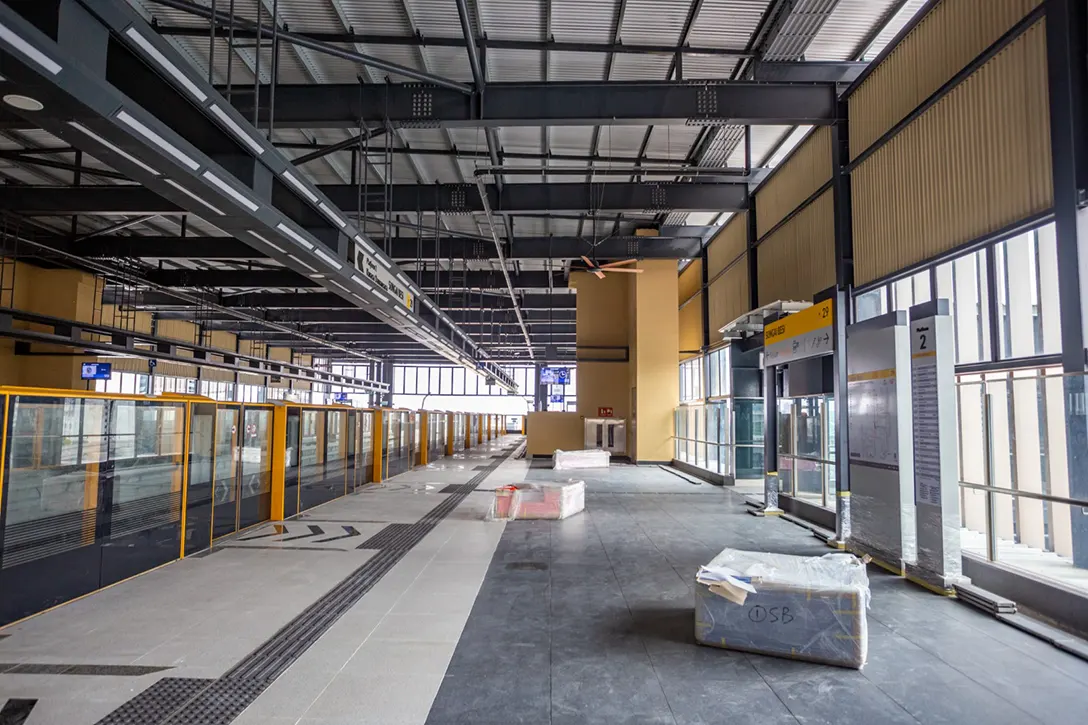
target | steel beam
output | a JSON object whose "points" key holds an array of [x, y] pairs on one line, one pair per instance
{"points": [[402, 249], [352, 318], [617, 196], [426, 41], [325, 301], [406, 198], [286, 278], [549, 104]]}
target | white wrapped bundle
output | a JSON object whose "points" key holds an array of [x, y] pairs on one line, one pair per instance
{"points": [[538, 501], [568, 460]]}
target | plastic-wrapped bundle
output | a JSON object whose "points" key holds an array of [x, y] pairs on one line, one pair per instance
{"points": [[538, 501], [567, 460], [806, 608]]}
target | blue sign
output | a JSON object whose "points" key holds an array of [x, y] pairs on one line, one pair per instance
{"points": [[557, 398], [96, 371], [341, 398], [555, 376]]}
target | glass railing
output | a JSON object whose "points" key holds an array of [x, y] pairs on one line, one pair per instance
{"points": [[1015, 501], [702, 436]]}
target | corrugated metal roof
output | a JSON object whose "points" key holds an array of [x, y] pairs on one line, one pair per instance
{"points": [[587, 21], [797, 30], [845, 28], [726, 23], [904, 16], [654, 21]]}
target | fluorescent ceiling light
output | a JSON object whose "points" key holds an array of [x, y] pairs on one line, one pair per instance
{"points": [[328, 260], [231, 191], [156, 139], [301, 262], [381, 296], [40, 58], [385, 261], [340, 286], [174, 72], [293, 180], [294, 235], [332, 214], [359, 280], [402, 311], [191, 195], [238, 130], [277, 247], [119, 151]]}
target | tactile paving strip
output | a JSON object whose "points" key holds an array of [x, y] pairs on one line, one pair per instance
{"points": [[177, 701], [391, 537], [219, 703], [158, 702]]}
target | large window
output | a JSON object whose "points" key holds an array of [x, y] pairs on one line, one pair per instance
{"points": [[1022, 289]]}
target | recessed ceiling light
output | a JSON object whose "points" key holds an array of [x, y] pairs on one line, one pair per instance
{"points": [[23, 103]]}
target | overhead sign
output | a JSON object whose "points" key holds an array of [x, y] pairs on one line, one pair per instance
{"points": [[95, 371], [557, 398], [807, 333], [382, 277], [604, 413], [555, 376]]}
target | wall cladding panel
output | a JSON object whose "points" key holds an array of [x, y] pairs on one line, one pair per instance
{"points": [[728, 244], [691, 280], [944, 42], [798, 260], [806, 170], [691, 327], [728, 297], [976, 162]]}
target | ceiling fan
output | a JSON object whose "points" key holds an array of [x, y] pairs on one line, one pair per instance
{"points": [[600, 269]]}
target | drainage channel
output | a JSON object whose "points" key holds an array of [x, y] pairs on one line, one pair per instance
{"points": [[178, 701]]}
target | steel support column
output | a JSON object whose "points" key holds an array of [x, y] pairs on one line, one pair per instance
{"points": [[1066, 81], [842, 316]]}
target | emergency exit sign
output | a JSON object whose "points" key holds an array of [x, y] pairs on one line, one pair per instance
{"points": [[604, 412]]}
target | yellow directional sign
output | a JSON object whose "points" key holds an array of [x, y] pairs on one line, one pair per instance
{"points": [[807, 333]]}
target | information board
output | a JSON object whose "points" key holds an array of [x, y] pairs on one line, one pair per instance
{"points": [[96, 371], [805, 334], [382, 277], [873, 431], [927, 428], [557, 398]]}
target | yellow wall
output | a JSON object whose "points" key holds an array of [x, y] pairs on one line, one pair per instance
{"points": [[546, 432], [656, 370], [63, 293], [602, 320]]}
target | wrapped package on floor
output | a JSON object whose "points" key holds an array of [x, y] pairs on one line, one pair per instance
{"points": [[567, 460], [538, 501], [801, 607]]}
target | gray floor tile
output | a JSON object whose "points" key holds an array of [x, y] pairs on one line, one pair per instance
{"points": [[377, 698]]}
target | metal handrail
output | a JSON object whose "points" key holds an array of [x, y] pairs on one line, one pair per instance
{"points": [[1026, 494]]}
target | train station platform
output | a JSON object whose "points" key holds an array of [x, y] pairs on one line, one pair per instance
{"points": [[399, 604]]}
